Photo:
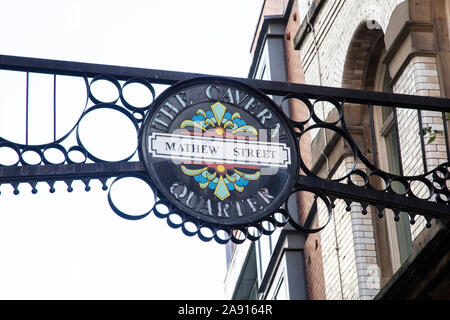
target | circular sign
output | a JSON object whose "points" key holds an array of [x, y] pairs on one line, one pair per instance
{"points": [[220, 151]]}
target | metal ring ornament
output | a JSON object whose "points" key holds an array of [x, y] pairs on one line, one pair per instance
{"points": [[79, 149], [440, 197], [15, 148], [237, 230], [225, 230], [106, 78], [335, 103], [146, 84], [427, 183], [139, 116], [256, 226], [34, 149], [284, 213], [116, 108], [157, 212], [440, 178], [202, 236], [383, 175], [400, 180], [185, 229], [359, 173], [307, 102], [323, 197], [57, 147], [269, 231], [175, 224], [346, 136], [119, 212], [438, 187]]}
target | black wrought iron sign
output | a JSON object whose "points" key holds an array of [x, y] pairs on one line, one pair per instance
{"points": [[220, 151], [220, 155]]}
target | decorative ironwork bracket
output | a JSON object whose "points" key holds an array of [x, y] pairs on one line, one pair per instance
{"points": [[437, 182], [380, 200]]}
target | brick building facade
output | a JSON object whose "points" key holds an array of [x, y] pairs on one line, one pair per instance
{"points": [[399, 46]]}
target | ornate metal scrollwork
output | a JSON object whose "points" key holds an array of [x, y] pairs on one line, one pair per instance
{"points": [[435, 184]]}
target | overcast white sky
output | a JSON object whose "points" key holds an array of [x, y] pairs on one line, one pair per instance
{"points": [[71, 245]]}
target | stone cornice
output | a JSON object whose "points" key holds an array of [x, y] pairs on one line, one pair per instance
{"points": [[408, 28], [411, 31]]}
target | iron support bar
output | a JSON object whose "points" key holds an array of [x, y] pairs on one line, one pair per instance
{"points": [[375, 197], [68, 171], [269, 87]]}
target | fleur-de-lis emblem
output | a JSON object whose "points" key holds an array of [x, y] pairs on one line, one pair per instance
{"points": [[222, 178]]}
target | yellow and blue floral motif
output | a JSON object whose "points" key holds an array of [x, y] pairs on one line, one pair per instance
{"points": [[221, 181], [220, 184], [220, 119]]}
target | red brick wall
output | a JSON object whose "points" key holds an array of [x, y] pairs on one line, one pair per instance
{"points": [[313, 254]]}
